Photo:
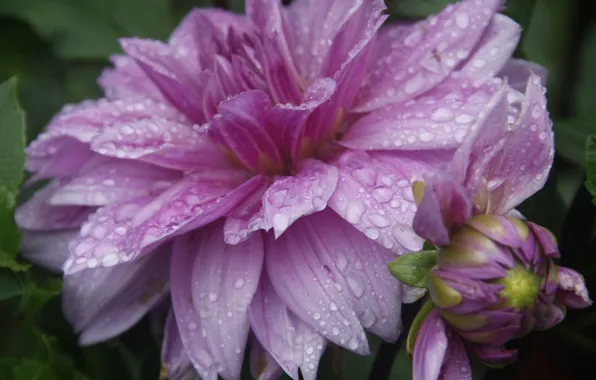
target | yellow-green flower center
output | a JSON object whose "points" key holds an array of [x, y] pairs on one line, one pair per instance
{"points": [[521, 287]]}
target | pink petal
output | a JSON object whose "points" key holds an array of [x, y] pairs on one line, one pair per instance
{"points": [[439, 119], [430, 348], [572, 291], [517, 72], [47, 249], [127, 80], [301, 127], [103, 302], [290, 198], [174, 355], [222, 283], [242, 127], [275, 52], [187, 316], [374, 194], [56, 155], [421, 57], [38, 214], [347, 268], [456, 364], [495, 47], [114, 181], [123, 232], [166, 68], [445, 206], [246, 218], [313, 25], [291, 343], [527, 156], [349, 54], [160, 142], [262, 365]]}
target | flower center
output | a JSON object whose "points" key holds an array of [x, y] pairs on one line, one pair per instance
{"points": [[521, 287]]}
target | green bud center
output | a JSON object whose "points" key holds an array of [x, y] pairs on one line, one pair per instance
{"points": [[521, 287]]}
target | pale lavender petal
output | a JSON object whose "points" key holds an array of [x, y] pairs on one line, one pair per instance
{"points": [[224, 279], [430, 348], [123, 232], [518, 71], [348, 270], [187, 316], [166, 68], [56, 155], [495, 47], [445, 206], [48, 249], [314, 25], [548, 315], [242, 127], [127, 80], [374, 194], [173, 354], [114, 181], [572, 291], [103, 302], [421, 57], [160, 142], [293, 344], [494, 354], [527, 156], [456, 364], [38, 214], [290, 198], [439, 119]]}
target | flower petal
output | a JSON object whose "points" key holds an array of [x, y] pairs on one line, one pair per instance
{"points": [[223, 281], [47, 249], [348, 269], [572, 291], [374, 194], [173, 353], [423, 55], [38, 214], [456, 364], [114, 181], [526, 158], [103, 302], [517, 72], [242, 127], [430, 348], [166, 68], [495, 355], [160, 142], [290, 198], [292, 343], [439, 119], [123, 232], [495, 47], [127, 80]]}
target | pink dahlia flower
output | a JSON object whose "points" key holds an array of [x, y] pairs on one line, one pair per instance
{"points": [[495, 279], [257, 170]]}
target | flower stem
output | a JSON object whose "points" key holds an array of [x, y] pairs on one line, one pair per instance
{"points": [[383, 363]]}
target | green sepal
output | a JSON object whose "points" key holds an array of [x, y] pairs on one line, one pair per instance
{"points": [[416, 324], [412, 268]]}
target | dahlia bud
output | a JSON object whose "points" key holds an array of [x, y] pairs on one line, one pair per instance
{"points": [[496, 280]]}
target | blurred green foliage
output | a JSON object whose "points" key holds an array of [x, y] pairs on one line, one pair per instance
{"points": [[57, 49]]}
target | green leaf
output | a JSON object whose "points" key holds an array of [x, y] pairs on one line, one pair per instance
{"points": [[9, 285], [571, 136], [37, 292], [585, 93], [34, 370], [520, 11], [591, 166], [91, 28], [417, 8], [12, 130], [412, 268]]}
